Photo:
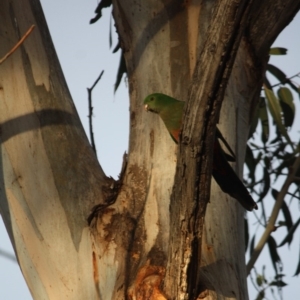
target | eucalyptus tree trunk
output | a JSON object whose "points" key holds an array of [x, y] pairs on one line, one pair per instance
{"points": [[154, 234]]}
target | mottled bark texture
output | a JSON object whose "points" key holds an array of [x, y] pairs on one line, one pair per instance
{"points": [[210, 54]]}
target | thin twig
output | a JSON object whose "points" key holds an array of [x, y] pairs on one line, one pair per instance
{"points": [[18, 44], [90, 116], [286, 80], [270, 227], [8, 255]]}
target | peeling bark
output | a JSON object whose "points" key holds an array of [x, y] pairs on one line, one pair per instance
{"points": [[215, 37]]}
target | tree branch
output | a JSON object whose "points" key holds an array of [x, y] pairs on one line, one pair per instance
{"points": [[270, 227], [17, 45], [286, 80], [91, 111]]}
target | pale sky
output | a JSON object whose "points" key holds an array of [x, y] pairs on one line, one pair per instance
{"points": [[83, 51]]}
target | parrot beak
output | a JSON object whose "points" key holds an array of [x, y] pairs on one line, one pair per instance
{"points": [[146, 107]]}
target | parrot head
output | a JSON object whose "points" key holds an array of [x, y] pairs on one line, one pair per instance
{"points": [[169, 109], [157, 102], [152, 103]]}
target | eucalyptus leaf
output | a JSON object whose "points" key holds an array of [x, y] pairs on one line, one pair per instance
{"points": [[289, 236], [102, 4], [263, 116], [278, 51], [276, 112], [273, 253], [298, 267], [122, 70], [287, 104], [278, 283], [276, 72]]}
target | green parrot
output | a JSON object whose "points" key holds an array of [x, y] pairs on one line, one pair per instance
{"points": [[171, 110]]}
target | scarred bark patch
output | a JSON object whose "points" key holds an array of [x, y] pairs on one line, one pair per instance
{"points": [[147, 285]]}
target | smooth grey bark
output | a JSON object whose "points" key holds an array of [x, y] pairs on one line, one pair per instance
{"points": [[205, 50], [50, 178]]}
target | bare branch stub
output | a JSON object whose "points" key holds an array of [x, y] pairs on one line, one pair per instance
{"points": [[90, 90], [17, 45]]}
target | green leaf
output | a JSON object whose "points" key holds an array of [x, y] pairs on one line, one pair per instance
{"points": [[276, 139], [274, 194], [273, 252], [287, 162], [287, 104], [286, 96], [251, 163], [276, 112], [266, 180], [267, 83], [287, 216], [278, 283], [296, 193], [277, 73], [117, 47], [110, 32], [281, 77], [285, 210], [281, 223], [259, 280], [298, 268], [254, 146], [263, 116], [246, 229], [278, 51], [279, 152], [289, 236], [122, 70], [279, 276], [102, 4], [294, 87], [260, 296], [264, 274], [252, 245]]}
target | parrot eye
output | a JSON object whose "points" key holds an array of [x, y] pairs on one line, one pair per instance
{"points": [[152, 98]]}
